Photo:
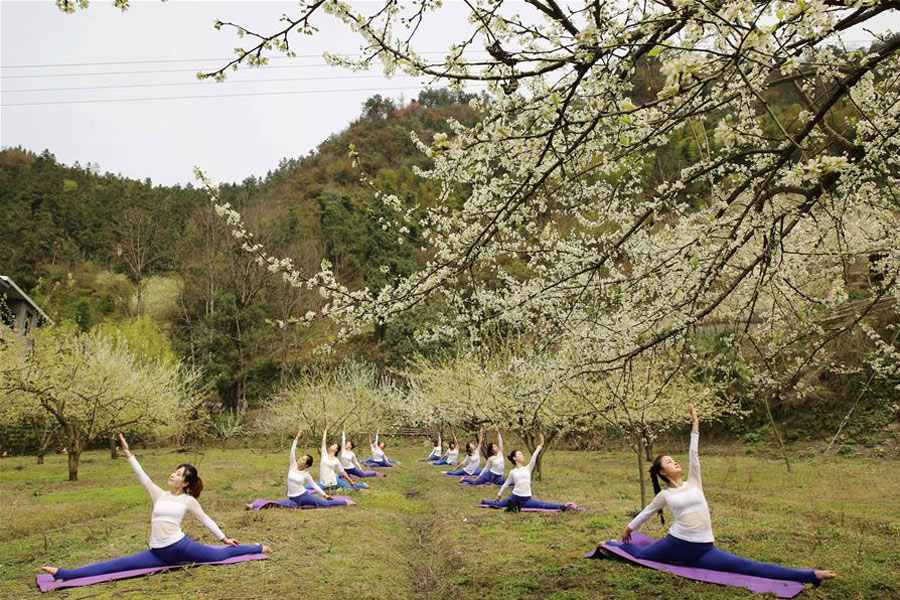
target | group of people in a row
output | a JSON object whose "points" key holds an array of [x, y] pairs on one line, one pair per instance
{"points": [[689, 541]]}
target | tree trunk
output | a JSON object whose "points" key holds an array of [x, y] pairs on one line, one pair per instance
{"points": [[778, 437], [40, 457], [113, 451], [74, 457], [640, 471]]}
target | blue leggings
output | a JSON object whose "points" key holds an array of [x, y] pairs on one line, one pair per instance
{"points": [[525, 502], [706, 556], [184, 551], [429, 459], [305, 500], [343, 483], [461, 473], [444, 461], [371, 462], [357, 473], [485, 477]]}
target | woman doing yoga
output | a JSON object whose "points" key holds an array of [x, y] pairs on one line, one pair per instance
{"points": [[470, 464], [168, 544], [350, 462], [493, 468], [690, 540], [520, 480], [330, 467], [297, 479]]}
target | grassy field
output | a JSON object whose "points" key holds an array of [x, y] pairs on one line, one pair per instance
{"points": [[416, 534]]}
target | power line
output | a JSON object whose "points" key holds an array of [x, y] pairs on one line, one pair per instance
{"points": [[190, 83], [209, 96], [179, 60], [152, 71]]}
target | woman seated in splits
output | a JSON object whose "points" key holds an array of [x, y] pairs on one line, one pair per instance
{"points": [[349, 461], [469, 465], [452, 453], [520, 478], [168, 544], [690, 539], [435, 451], [330, 468], [297, 479], [493, 468], [378, 458]]}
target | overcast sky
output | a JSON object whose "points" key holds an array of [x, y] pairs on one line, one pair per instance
{"points": [[229, 137]]}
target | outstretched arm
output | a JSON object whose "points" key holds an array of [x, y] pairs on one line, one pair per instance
{"points": [[658, 502], [694, 450], [194, 508], [324, 449], [506, 484], [500, 441], [152, 489], [534, 455]]}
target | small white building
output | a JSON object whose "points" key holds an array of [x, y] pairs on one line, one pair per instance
{"points": [[19, 312]]}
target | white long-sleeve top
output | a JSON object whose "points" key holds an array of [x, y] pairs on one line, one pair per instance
{"points": [[452, 454], [472, 461], [348, 457], [329, 468], [378, 453], [169, 510], [495, 463], [690, 512], [436, 451], [297, 480], [520, 477]]}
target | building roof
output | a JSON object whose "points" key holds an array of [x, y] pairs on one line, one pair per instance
{"points": [[9, 289]]}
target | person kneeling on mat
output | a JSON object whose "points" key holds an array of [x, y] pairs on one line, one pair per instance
{"points": [[168, 544]]}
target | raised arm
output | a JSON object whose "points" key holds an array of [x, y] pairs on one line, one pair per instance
{"points": [[694, 450], [534, 455], [194, 508], [324, 450], [500, 442], [152, 489], [343, 439], [480, 440]]}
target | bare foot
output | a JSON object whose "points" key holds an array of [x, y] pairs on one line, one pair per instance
{"points": [[570, 506], [248, 506], [351, 502], [266, 550], [51, 570], [823, 575]]}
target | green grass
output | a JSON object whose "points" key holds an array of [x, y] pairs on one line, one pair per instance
{"points": [[416, 534]]}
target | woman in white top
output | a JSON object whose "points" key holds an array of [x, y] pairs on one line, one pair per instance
{"points": [[469, 465], [298, 479], [435, 451], [331, 472], [690, 540], [520, 480], [492, 473], [168, 544], [378, 457], [452, 453], [351, 463]]}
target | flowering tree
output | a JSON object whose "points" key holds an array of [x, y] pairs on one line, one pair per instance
{"points": [[352, 397], [90, 386], [503, 384], [563, 232]]}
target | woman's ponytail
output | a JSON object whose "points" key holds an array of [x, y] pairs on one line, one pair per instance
{"points": [[193, 485], [655, 476]]}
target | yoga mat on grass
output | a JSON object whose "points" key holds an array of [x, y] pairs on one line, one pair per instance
{"points": [[540, 510], [260, 504], [760, 585], [485, 484], [46, 582]]}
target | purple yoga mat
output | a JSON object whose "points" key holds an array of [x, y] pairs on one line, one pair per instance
{"points": [[760, 585], [46, 582], [540, 510], [261, 503]]}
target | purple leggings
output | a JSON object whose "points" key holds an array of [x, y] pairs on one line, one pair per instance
{"points": [[485, 477], [308, 499], [706, 556], [184, 551], [443, 461], [461, 473], [524, 502], [357, 473]]}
